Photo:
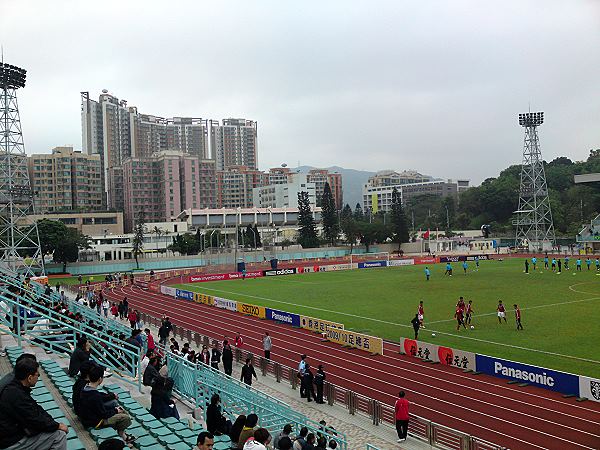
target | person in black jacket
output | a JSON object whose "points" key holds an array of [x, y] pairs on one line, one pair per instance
{"points": [[110, 399], [151, 373], [161, 403], [416, 323], [319, 382], [24, 425], [216, 423], [215, 357], [248, 372], [79, 356], [307, 381], [94, 412], [6, 379], [227, 358]]}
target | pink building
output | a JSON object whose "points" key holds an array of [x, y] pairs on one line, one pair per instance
{"points": [[165, 184]]}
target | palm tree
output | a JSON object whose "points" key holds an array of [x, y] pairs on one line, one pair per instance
{"points": [[158, 232]]}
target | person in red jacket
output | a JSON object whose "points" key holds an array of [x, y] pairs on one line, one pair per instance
{"points": [[401, 409]]}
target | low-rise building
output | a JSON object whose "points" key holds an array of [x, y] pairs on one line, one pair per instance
{"points": [[285, 195], [90, 224]]}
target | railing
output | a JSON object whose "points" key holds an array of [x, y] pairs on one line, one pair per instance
{"points": [[379, 413], [198, 382]]}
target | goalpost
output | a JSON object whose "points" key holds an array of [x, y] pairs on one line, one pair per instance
{"points": [[370, 257]]}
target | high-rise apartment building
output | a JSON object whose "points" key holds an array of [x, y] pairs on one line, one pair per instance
{"points": [[66, 180], [285, 195], [163, 185], [278, 175], [234, 143], [235, 184], [322, 176]]}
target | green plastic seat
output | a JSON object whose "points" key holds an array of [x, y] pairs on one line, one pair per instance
{"points": [[103, 434], [159, 432], [186, 434], [177, 426], [169, 420], [168, 439], [75, 444], [56, 413], [147, 443], [178, 446]]}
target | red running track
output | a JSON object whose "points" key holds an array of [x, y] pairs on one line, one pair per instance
{"points": [[483, 406]]}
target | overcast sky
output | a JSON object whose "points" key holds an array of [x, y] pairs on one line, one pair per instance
{"points": [[434, 86]]}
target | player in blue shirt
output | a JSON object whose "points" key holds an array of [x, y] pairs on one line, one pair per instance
{"points": [[427, 273], [545, 262], [566, 263], [448, 269], [578, 264], [477, 263], [553, 264], [465, 267], [534, 262], [588, 261], [597, 264]]}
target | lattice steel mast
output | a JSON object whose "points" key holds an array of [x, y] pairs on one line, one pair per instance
{"points": [[19, 240], [534, 216]]}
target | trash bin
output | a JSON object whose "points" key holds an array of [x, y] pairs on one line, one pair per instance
{"points": [[274, 263], [241, 266]]}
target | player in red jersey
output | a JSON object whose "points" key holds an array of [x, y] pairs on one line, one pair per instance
{"points": [[469, 312], [461, 304], [518, 317], [421, 314], [459, 319], [501, 312]]}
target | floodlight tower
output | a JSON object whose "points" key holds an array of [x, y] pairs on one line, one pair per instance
{"points": [[20, 251], [534, 216]]}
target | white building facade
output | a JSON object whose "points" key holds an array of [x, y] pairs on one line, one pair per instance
{"points": [[284, 195]]}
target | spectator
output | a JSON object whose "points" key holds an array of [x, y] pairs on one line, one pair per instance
{"points": [[94, 412], [311, 440], [80, 355], [248, 372], [105, 307], [168, 325], [239, 342], [205, 441], [112, 444], [267, 345], [110, 400], [163, 334], [301, 367], [146, 360], [162, 405], [248, 430], [236, 429], [227, 358], [216, 423], [287, 430], [401, 412], [321, 444], [125, 307], [205, 355], [24, 425], [332, 444], [151, 372], [261, 439], [319, 382], [300, 441], [114, 310], [215, 356], [307, 382], [285, 443], [150, 339], [10, 376], [132, 317]]}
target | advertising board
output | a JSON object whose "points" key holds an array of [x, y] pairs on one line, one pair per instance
{"points": [[208, 277], [565, 383], [224, 303], [186, 295], [437, 353], [481, 257], [333, 267], [283, 317], [238, 275], [589, 388], [251, 310], [154, 287], [426, 260], [314, 324], [453, 258], [400, 262], [360, 341], [204, 299], [168, 290], [371, 264], [277, 272]]}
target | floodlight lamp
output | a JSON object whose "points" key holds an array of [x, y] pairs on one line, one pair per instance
{"points": [[12, 77], [531, 119]]}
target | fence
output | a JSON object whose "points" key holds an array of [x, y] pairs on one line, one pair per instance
{"points": [[378, 413], [198, 382]]}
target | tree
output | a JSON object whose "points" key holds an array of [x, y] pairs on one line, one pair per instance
{"points": [[137, 244], [307, 234], [331, 228], [61, 241], [158, 232], [400, 227], [351, 230], [258, 240], [372, 233], [358, 213]]}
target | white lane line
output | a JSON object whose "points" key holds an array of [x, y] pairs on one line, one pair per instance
{"points": [[502, 344]]}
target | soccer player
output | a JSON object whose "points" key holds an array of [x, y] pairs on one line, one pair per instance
{"points": [[461, 303], [477, 263], [427, 273], [559, 266], [448, 269], [588, 261], [459, 319], [546, 262], [567, 263], [518, 317], [534, 262], [421, 314], [465, 266], [526, 266], [469, 312], [501, 312], [578, 264], [597, 264], [553, 264]]}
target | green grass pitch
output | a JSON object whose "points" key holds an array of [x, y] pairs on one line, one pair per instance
{"points": [[560, 313]]}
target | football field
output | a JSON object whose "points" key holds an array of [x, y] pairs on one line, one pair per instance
{"points": [[560, 312]]}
